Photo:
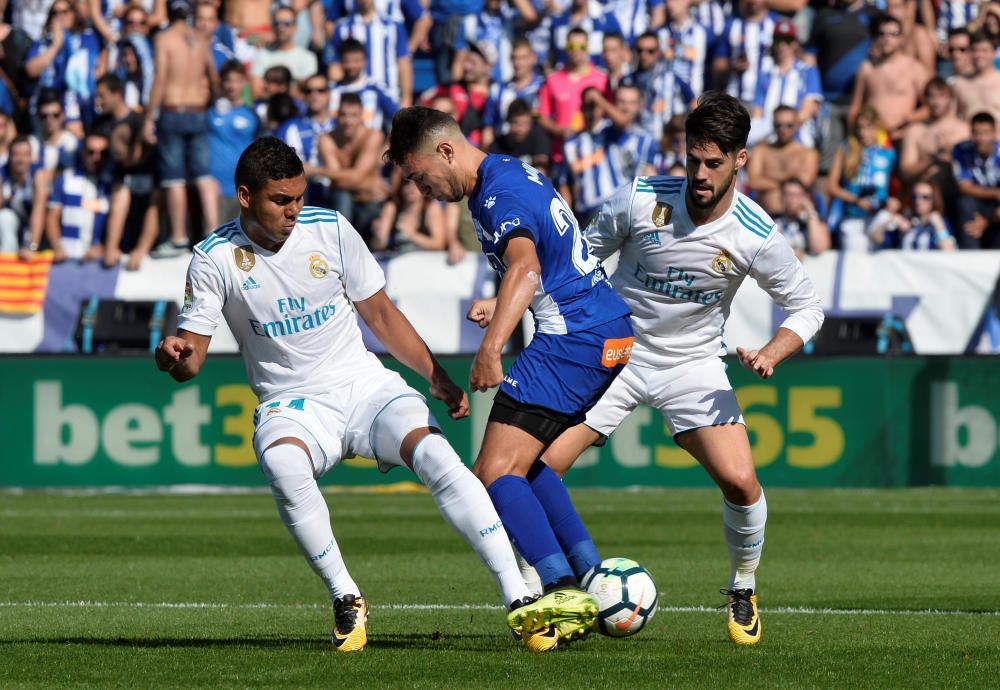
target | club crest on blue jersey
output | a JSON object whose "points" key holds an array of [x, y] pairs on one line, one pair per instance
{"points": [[318, 267], [244, 258], [490, 202]]}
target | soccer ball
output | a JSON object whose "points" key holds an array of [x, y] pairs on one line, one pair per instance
{"points": [[626, 596]]}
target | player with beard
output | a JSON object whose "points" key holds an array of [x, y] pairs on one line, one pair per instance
{"points": [[686, 244]]}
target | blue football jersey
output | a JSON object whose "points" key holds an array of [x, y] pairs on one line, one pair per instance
{"points": [[512, 199]]}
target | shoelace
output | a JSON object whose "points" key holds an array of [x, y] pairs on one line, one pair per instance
{"points": [[345, 614], [742, 607]]}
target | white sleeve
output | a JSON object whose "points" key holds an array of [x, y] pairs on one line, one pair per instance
{"points": [[780, 274], [362, 275], [611, 226], [204, 295]]}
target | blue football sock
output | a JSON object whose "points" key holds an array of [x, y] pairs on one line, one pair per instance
{"points": [[562, 516], [526, 523]]}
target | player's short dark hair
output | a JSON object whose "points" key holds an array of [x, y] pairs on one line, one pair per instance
{"points": [[880, 20], [266, 159], [352, 45], [350, 98], [412, 127], [983, 117], [230, 66], [518, 108], [112, 82], [719, 119]]}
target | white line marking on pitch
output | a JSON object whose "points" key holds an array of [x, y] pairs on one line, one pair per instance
{"points": [[791, 610]]}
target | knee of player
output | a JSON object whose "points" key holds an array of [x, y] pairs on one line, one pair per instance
{"points": [[286, 457], [740, 487]]}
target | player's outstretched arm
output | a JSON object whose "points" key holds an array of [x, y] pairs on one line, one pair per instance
{"points": [[762, 362], [182, 355], [517, 289], [395, 331]]}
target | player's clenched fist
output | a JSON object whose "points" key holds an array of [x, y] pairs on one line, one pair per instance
{"points": [[487, 371], [445, 390], [756, 361], [482, 312], [171, 351]]}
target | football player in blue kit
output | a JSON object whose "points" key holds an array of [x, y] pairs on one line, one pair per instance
{"points": [[583, 338]]}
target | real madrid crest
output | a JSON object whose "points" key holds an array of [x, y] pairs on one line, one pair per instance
{"points": [[244, 257], [661, 214], [722, 261], [318, 266]]}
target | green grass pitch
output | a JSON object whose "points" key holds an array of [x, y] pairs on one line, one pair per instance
{"points": [[858, 589]]}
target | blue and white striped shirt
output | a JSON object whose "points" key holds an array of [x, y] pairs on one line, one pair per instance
{"points": [[752, 40], [384, 41], [633, 15], [792, 89], [600, 161], [596, 23], [664, 95], [954, 14], [84, 200], [686, 45], [378, 106], [502, 95]]}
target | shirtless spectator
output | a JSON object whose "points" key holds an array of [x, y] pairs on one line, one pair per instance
{"points": [[892, 83], [251, 19], [771, 164], [981, 91], [283, 51], [182, 90], [927, 145], [918, 41], [977, 170], [959, 52], [359, 179]]}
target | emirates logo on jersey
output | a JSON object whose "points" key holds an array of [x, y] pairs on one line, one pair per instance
{"points": [[722, 262], [244, 258], [661, 214]]}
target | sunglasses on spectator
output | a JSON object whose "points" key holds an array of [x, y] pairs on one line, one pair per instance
{"points": [[312, 91], [958, 49], [576, 46], [649, 50], [51, 115], [95, 152], [283, 23]]}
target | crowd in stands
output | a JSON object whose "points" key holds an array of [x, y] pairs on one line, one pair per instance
{"points": [[874, 122]]}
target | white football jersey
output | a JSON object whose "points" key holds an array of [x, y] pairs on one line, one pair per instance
{"points": [[680, 280], [290, 310]]}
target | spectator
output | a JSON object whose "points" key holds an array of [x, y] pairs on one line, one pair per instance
{"points": [[182, 89], [523, 138], [800, 221], [989, 20], [497, 25], [251, 23], [283, 51], [412, 13], [560, 98], [790, 82], [470, 93], [921, 228], [361, 189], [617, 59], [57, 146], [673, 146], [133, 192], [892, 83], [604, 156], [977, 171], [385, 42], [771, 164], [593, 19], [447, 36], [664, 94], [858, 181], [379, 106], [917, 40], [525, 86], [636, 17], [8, 132], [927, 145], [66, 59], [78, 206], [233, 126], [110, 18], [22, 219], [305, 134], [279, 109], [959, 54], [206, 22], [684, 43], [409, 221], [981, 91], [134, 62], [14, 47], [744, 50], [31, 17], [277, 80], [955, 14]]}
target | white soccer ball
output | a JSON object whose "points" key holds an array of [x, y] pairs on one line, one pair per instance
{"points": [[625, 593]]}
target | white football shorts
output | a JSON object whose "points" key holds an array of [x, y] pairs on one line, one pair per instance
{"points": [[689, 396], [369, 419]]}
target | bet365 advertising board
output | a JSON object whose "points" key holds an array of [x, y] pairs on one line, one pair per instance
{"points": [[85, 422]]}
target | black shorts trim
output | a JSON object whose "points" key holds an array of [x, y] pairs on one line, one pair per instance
{"points": [[543, 423]]}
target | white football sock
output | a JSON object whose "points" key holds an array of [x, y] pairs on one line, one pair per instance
{"points": [[465, 505], [305, 514], [744, 530], [528, 573]]}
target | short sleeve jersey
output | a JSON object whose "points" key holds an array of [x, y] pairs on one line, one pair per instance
{"points": [[290, 311], [680, 279], [513, 199]]}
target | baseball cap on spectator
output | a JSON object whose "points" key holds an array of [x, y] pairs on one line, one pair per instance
{"points": [[784, 30], [486, 50]]}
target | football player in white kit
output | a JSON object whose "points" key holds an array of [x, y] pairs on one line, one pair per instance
{"points": [[290, 282], [686, 244]]}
